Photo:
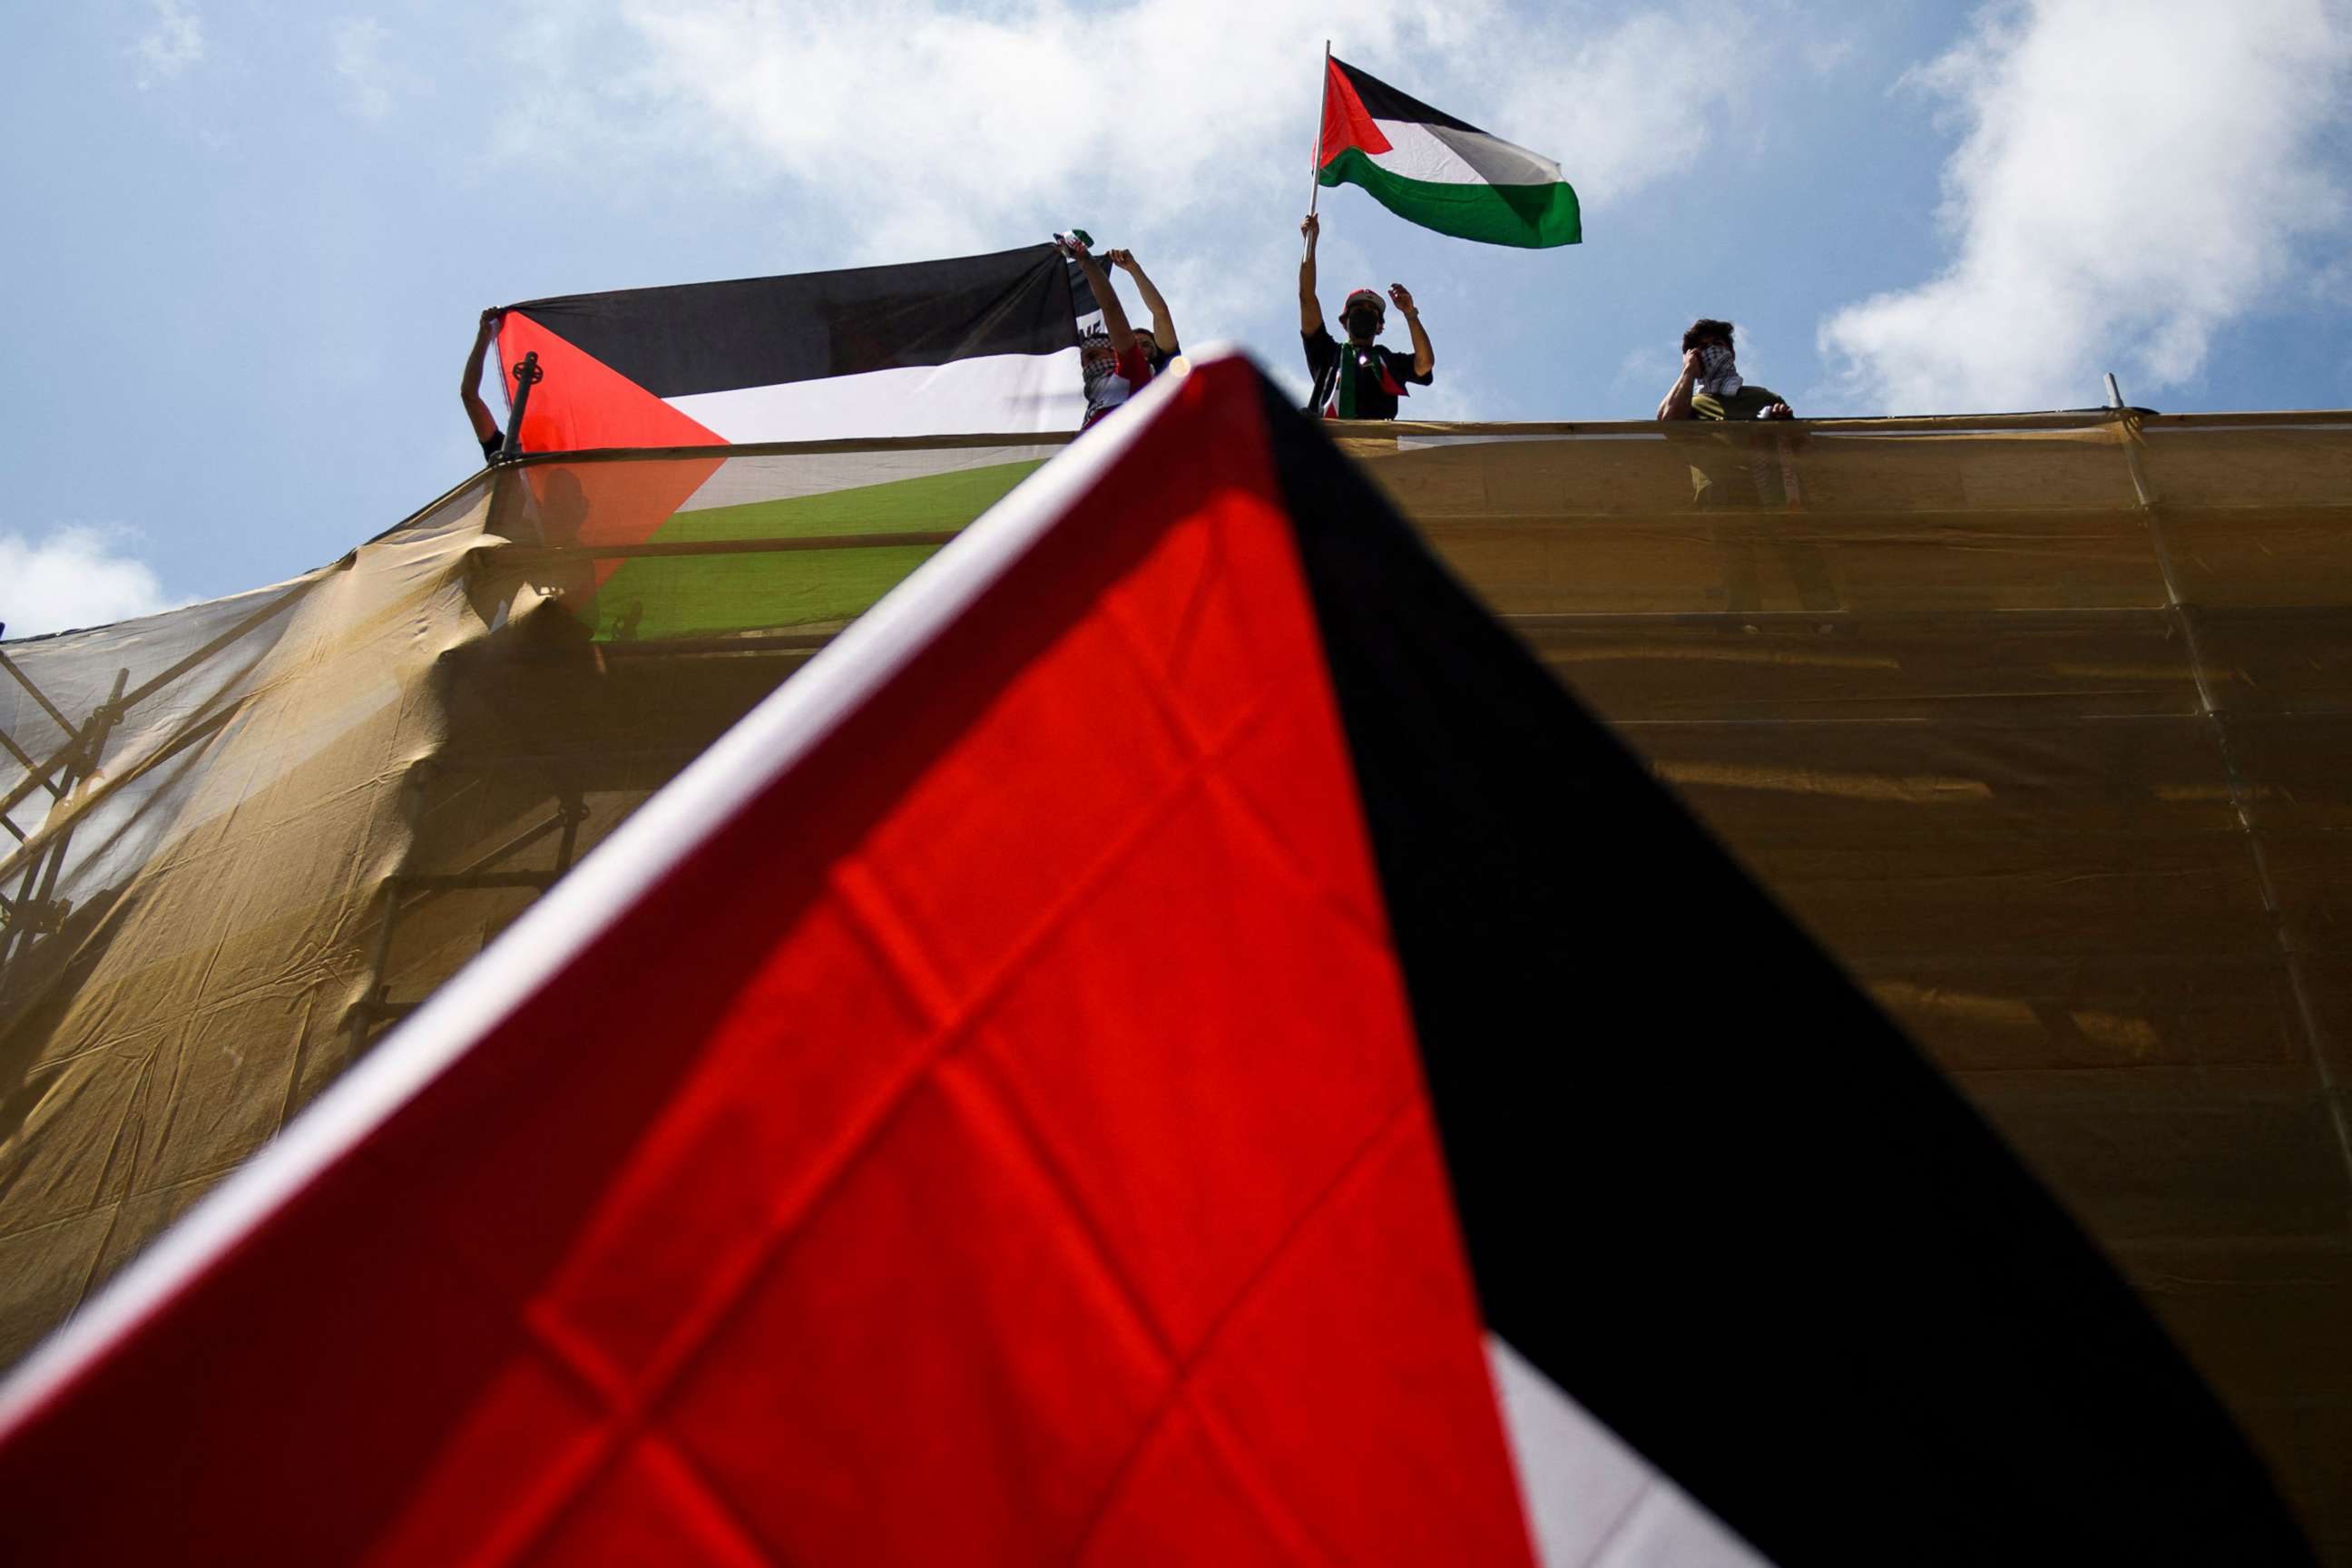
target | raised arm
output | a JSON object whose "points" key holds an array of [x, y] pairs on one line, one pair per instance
{"points": [[1163, 325], [1310, 311], [1676, 403], [469, 390], [1114, 313], [1424, 358]]}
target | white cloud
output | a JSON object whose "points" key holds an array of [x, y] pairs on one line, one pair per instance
{"points": [[76, 576], [172, 42], [2135, 175], [930, 128], [1623, 106], [357, 50], [1828, 54]]}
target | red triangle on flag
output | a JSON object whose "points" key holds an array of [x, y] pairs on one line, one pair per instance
{"points": [[583, 404], [590, 503], [1346, 122], [972, 1115]]}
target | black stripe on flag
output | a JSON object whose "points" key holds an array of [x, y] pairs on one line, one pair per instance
{"points": [[1382, 101], [1706, 1188], [692, 338]]}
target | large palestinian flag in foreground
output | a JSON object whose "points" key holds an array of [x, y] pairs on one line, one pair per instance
{"points": [[1172, 1041], [980, 343], [1429, 168]]}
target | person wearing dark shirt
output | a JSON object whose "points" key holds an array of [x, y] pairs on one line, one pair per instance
{"points": [[486, 429], [1359, 380], [1122, 361], [1711, 387]]}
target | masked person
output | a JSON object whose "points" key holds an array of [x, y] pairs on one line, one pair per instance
{"points": [[1360, 379], [1711, 387], [1123, 360]]}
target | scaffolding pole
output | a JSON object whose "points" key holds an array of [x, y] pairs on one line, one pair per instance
{"points": [[36, 912]]}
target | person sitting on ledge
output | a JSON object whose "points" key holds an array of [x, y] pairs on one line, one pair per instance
{"points": [[1710, 388]]}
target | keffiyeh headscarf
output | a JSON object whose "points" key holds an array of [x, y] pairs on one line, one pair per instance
{"points": [[1718, 371]]}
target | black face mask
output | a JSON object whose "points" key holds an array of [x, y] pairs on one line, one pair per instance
{"points": [[1361, 323]]}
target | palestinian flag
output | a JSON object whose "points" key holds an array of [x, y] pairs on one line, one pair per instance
{"points": [[1429, 168], [976, 344], [1172, 1041]]}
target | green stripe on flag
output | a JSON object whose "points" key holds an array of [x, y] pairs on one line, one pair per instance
{"points": [[1532, 216], [659, 597]]}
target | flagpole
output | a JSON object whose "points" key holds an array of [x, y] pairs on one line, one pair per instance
{"points": [[1315, 174]]}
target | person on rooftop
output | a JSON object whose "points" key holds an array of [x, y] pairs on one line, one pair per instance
{"points": [[486, 429], [1122, 361], [1362, 380], [1710, 386], [1163, 345]]}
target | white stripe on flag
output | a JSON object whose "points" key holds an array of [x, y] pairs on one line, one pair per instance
{"points": [[1443, 155], [1591, 1501], [996, 393]]}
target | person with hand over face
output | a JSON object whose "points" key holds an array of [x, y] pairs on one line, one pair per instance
{"points": [[1710, 386], [1360, 379]]}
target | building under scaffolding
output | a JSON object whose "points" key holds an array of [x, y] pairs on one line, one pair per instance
{"points": [[2038, 722]]}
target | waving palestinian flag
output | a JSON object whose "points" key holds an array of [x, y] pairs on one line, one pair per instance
{"points": [[1432, 169]]}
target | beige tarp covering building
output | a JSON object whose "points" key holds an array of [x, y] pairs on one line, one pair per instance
{"points": [[2041, 723]]}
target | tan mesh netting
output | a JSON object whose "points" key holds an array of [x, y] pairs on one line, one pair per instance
{"points": [[2039, 723]]}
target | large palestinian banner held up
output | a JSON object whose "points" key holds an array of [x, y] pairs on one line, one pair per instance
{"points": [[1139, 1053], [974, 344]]}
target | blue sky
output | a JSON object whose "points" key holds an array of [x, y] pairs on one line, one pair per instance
{"points": [[248, 240]]}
